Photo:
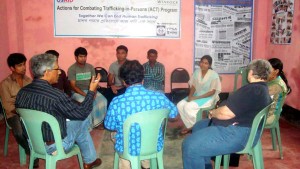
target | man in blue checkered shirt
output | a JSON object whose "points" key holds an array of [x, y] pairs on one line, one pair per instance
{"points": [[135, 99], [154, 72]]}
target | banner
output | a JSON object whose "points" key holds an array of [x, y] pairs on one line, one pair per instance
{"points": [[115, 18], [223, 30], [282, 21]]}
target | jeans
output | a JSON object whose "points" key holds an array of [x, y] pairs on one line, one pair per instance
{"points": [[99, 108], [77, 131], [207, 141]]}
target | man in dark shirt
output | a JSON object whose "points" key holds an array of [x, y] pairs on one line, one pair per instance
{"points": [[231, 123], [71, 116]]}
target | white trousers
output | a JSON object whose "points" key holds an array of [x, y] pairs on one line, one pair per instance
{"points": [[188, 111]]}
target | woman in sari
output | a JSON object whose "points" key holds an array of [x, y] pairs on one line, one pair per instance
{"points": [[205, 87], [278, 87]]}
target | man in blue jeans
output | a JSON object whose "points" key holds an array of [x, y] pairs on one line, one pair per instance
{"points": [[71, 116], [230, 123]]}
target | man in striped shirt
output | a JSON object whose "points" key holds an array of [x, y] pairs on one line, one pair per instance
{"points": [[154, 72], [71, 116]]}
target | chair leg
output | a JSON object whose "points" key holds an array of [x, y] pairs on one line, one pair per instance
{"points": [[279, 140], [257, 156], [6, 141], [135, 163], [31, 160], [80, 160], [273, 135], [22, 155], [226, 160], [218, 162], [50, 163], [160, 161], [153, 163], [116, 161]]}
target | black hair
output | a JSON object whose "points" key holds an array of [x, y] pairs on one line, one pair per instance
{"points": [[80, 51], [131, 72], [53, 52], [277, 64], [152, 51], [208, 58], [15, 58], [122, 47]]}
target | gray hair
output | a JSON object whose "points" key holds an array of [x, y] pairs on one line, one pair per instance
{"points": [[40, 63], [261, 69]]}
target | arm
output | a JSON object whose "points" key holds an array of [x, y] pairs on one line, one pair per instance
{"points": [[160, 75], [8, 102], [111, 83], [221, 113], [75, 88], [210, 93]]}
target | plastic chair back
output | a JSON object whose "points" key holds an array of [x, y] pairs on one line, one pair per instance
{"points": [[251, 147], [151, 123], [33, 121], [274, 126], [257, 126], [22, 154], [102, 72], [243, 72]]}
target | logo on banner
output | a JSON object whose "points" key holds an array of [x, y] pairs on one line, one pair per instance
{"points": [[161, 30]]}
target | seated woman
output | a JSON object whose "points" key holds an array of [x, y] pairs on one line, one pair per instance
{"points": [[205, 87], [278, 86]]}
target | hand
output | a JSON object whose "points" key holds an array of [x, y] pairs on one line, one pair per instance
{"points": [[114, 89], [94, 82], [191, 98]]}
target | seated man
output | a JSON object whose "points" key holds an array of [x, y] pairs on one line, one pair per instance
{"points": [[230, 123], [63, 83], [131, 72], [115, 84], [71, 116], [80, 74], [9, 88], [154, 72]]}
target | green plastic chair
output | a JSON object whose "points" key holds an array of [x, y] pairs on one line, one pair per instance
{"points": [[150, 123], [33, 121], [206, 110], [243, 72], [254, 150], [275, 129], [22, 154]]}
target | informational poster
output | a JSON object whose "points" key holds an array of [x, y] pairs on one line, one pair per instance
{"points": [[223, 30], [115, 18], [282, 21]]}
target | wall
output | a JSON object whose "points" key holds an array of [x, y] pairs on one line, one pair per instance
{"points": [[27, 26]]}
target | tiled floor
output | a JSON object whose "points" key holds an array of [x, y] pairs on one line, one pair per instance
{"points": [[290, 138]]}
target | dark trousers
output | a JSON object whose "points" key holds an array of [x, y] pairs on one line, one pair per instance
{"points": [[18, 132], [109, 94]]}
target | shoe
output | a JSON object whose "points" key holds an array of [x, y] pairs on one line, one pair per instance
{"points": [[96, 163], [36, 163]]}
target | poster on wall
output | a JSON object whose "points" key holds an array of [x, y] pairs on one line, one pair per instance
{"points": [[223, 30], [282, 21], [115, 18]]}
